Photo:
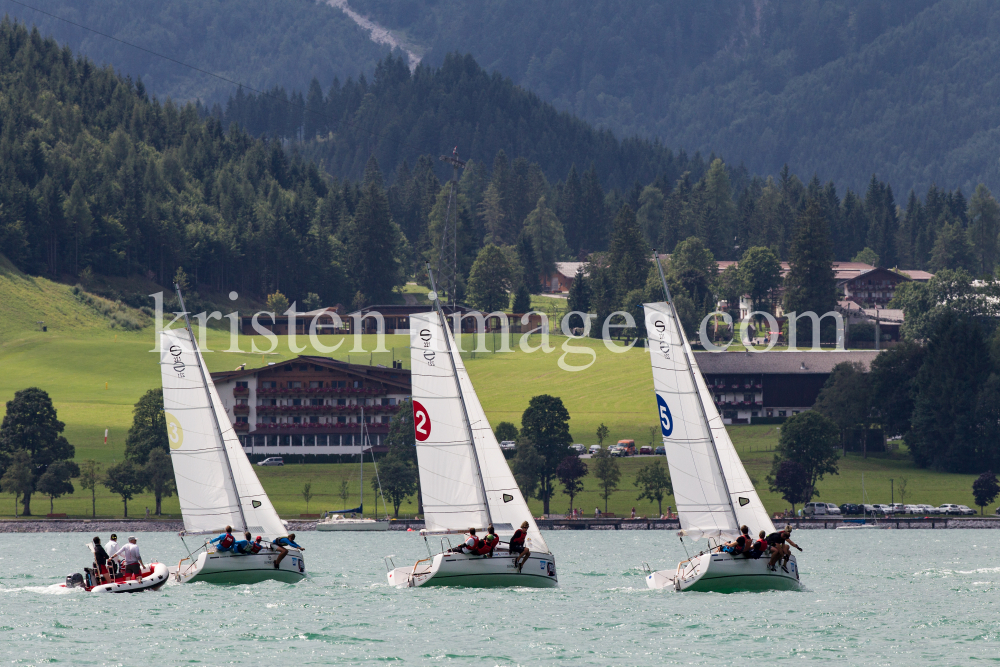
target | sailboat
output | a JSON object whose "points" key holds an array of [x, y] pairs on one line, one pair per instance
{"points": [[464, 477], [713, 492], [337, 520], [216, 485], [862, 524]]}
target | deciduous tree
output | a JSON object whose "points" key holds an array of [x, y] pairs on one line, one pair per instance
{"points": [[90, 477], [149, 428], [18, 478], [159, 475], [570, 473], [607, 473], [653, 480], [399, 480], [791, 480], [985, 489], [546, 424], [506, 432], [490, 280], [56, 481], [126, 479], [811, 440]]}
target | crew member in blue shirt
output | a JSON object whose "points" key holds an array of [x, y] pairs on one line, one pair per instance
{"points": [[280, 544], [226, 541], [243, 546]]}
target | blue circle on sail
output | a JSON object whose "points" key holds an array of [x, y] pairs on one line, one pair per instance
{"points": [[666, 420]]}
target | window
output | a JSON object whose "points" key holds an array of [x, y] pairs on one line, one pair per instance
{"points": [[288, 369], [269, 385], [242, 401], [754, 413], [748, 398], [358, 384], [385, 420], [296, 420], [243, 384], [241, 420], [781, 413], [296, 441], [296, 401], [272, 441], [314, 420], [385, 401], [295, 385], [316, 401], [368, 420], [341, 401], [341, 420], [315, 384], [392, 401], [339, 384]]}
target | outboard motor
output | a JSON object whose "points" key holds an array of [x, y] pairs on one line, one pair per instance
{"points": [[74, 580]]}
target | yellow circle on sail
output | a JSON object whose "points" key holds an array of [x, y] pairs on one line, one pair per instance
{"points": [[175, 434]]}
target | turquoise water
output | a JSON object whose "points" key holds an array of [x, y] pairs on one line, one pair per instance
{"points": [[872, 598]]}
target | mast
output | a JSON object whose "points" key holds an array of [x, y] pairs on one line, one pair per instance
{"points": [[461, 396], [694, 381], [215, 417], [362, 504]]}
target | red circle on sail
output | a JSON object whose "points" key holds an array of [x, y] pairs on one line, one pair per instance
{"points": [[421, 422]]}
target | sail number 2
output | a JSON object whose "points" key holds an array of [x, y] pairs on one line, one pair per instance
{"points": [[421, 422]]}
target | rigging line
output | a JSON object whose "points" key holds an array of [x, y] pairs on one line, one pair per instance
{"points": [[303, 107]]}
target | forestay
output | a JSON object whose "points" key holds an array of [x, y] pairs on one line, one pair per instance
{"points": [[214, 477], [455, 495], [713, 492]]}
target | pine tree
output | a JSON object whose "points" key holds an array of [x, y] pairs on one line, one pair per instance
{"points": [[810, 284], [374, 243], [628, 254], [984, 225], [546, 233], [719, 214], [489, 280]]}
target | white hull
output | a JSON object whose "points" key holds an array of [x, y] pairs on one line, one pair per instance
{"points": [[156, 577], [724, 573], [229, 568], [353, 524], [451, 569]]}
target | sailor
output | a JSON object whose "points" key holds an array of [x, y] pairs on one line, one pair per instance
{"points": [[243, 546], [256, 546], [470, 543], [100, 559], [485, 546], [280, 544], [779, 542], [111, 547], [740, 545], [225, 541], [759, 547], [133, 560], [517, 546]]}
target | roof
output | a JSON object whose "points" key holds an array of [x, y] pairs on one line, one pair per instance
{"points": [[373, 372], [917, 275], [784, 363], [872, 271], [569, 269], [841, 270]]}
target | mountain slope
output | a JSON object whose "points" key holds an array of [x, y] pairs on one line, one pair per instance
{"points": [[845, 88]]}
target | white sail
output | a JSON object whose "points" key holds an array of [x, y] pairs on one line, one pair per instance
{"points": [[214, 478], [712, 490], [453, 490]]}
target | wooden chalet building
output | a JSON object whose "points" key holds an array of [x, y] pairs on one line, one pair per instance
{"points": [[748, 385], [311, 405]]}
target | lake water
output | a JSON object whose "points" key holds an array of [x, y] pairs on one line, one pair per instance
{"points": [[872, 598]]}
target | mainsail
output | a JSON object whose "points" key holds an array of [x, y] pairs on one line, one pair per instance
{"points": [[464, 479], [713, 492], [216, 484]]}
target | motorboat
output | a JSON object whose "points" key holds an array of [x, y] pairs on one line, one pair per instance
{"points": [[464, 478], [216, 484], [150, 579], [714, 494], [336, 521]]}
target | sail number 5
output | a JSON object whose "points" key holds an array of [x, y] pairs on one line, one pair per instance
{"points": [[666, 420], [421, 422]]}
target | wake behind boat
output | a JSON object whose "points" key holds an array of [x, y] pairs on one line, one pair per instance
{"points": [[714, 494], [216, 485], [464, 477]]}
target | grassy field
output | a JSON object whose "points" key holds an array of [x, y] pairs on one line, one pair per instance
{"points": [[95, 374]]}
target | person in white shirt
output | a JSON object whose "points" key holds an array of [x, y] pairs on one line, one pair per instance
{"points": [[470, 542], [133, 560], [111, 547]]}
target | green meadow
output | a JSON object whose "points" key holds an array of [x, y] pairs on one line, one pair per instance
{"points": [[95, 374]]}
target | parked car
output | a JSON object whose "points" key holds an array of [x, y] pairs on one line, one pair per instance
{"points": [[272, 461], [646, 450], [578, 448], [898, 508], [912, 509], [886, 509], [949, 508], [820, 509], [928, 509], [594, 449], [873, 509], [508, 444], [616, 450], [628, 446], [661, 450], [850, 508], [964, 510]]}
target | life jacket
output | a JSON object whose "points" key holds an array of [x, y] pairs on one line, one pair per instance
{"points": [[517, 539], [484, 547], [227, 541], [255, 547]]}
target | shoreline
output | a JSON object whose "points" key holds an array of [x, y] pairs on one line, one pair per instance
{"points": [[175, 525]]}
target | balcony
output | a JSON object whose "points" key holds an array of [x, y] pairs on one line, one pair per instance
{"points": [[241, 391], [317, 391], [323, 409], [240, 409], [242, 427]]}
